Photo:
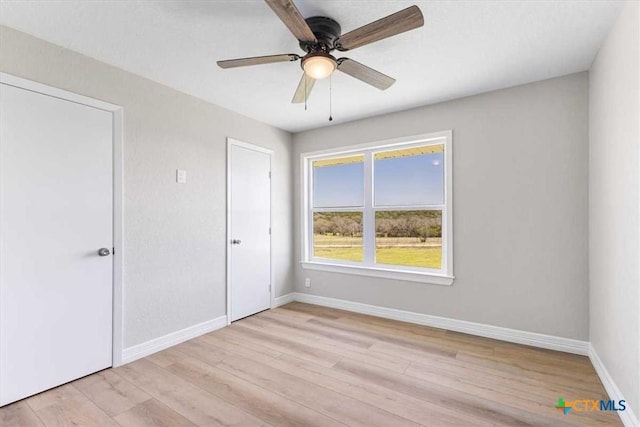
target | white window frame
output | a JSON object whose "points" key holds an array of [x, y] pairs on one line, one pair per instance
{"points": [[443, 276]]}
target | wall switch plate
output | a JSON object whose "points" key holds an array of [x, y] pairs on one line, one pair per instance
{"points": [[181, 176], [307, 282]]}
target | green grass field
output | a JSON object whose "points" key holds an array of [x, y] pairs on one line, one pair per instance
{"points": [[415, 256]]}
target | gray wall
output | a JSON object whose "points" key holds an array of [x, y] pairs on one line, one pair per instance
{"points": [[520, 177], [614, 204], [174, 235]]}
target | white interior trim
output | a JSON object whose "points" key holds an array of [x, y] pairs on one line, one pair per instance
{"points": [[118, 238], [496, 332], [627, 416], [22, 83], [381, 272], [284, 299], [118, 211], [568, 345], [368, 267], [234, 142], [386, 143], [174, 338], [534, 339]]}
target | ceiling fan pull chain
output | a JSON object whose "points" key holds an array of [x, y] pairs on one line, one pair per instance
{"points": [[305, 92], [330, 98]]}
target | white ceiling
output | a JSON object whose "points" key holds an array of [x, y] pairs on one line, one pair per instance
{"points": [[465, 47]]}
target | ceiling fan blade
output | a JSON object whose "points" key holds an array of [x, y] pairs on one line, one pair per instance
{"points": [[291, 17], [365, 74], [257, 60], [303, 90], [399, 22]]}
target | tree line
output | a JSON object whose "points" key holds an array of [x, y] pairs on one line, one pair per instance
{"points": [[419, 224]]}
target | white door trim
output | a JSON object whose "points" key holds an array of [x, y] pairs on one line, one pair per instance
{"points": [[234, 142], [116, 110]]}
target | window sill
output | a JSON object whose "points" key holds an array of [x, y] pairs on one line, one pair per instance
{"points": [[384, 273]]}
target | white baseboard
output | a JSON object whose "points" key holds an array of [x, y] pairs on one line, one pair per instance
{"points": [[627, 416], [284, 299], [534, 339], [146, 348], [550, 342]]}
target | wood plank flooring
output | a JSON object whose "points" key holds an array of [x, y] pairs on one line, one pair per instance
{"points": [[304, 365]]}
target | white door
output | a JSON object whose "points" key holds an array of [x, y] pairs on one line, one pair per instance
{"points": [[250, 234], [55, 215]]}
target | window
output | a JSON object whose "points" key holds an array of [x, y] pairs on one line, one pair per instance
{"points": [[381, 209], [338, 205]]}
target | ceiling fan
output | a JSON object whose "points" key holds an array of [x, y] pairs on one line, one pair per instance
{"points": [[319, 36]]}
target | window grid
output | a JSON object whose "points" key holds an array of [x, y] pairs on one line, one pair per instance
{"points": [[369, 209]]}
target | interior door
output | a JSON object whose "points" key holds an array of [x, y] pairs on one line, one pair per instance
{"points": [[250, 243], [55, 215]]}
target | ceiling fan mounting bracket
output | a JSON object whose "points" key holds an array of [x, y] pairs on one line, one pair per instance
{"points": [[326, 30]]}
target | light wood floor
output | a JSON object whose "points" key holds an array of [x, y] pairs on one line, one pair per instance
{"points": [[304, 365]]}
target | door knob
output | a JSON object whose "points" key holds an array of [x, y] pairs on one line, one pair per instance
{"points": [[104, 252], [236, 241]]}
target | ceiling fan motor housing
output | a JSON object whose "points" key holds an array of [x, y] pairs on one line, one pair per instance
{"points": [[326, 30]]}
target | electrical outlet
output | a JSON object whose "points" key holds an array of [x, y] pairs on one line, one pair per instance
{"points": [[307, 282]]}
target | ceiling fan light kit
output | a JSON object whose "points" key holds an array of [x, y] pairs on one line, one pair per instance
{"points": [[319, 66], [318, 36]]}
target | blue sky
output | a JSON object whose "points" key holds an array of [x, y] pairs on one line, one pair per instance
{"points": [[338, 186], [413, 180]]}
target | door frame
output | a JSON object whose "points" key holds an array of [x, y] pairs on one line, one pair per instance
{"points": [[117, 184], [230, 143]]}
